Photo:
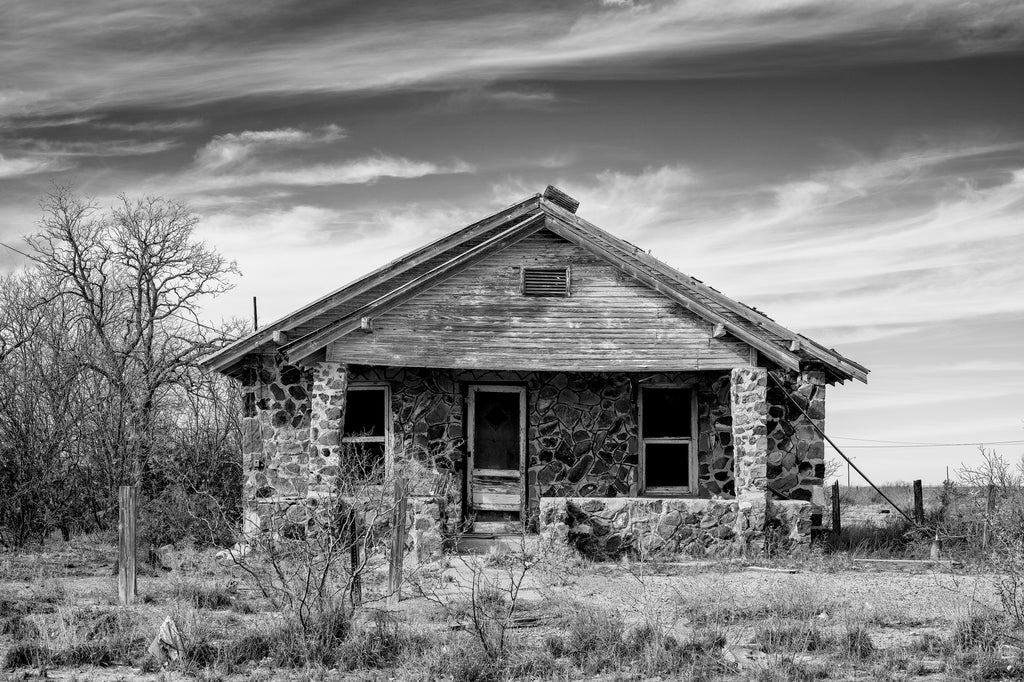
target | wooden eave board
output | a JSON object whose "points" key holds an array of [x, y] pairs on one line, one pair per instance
{"points": [[742, 315]]}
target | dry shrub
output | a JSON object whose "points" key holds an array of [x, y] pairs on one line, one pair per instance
{"points": [[204, 596], [787, 669], [856, 642], [778, 636], [382, 645], [27, 655], [19, 628], [81, 637], [596, 640], [976, 630]]}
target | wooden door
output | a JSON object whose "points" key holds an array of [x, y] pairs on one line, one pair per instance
{"points": [[496, 487]]}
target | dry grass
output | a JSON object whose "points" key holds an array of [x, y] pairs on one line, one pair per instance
{"points": [[680, 624]]}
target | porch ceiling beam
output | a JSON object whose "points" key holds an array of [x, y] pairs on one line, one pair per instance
{"points": [[301, 348], [569, 231]]}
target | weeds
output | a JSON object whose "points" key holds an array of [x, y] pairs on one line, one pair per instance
{"points": [[204, 596], [856, 642], [779, 636]]}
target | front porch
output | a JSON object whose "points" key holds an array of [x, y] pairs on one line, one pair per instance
{"points": [[584, 463]]}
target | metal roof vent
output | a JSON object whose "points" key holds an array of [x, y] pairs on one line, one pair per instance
{"points": [[557, 196]]}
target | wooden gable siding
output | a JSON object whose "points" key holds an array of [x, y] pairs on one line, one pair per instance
{"points": [[479, 319], [371, 294]]}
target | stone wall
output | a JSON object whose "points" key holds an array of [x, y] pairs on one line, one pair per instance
{"points": [[584, 433], [603, 528], [275, 438], [796, 451], [582, 443], [639, 526]]}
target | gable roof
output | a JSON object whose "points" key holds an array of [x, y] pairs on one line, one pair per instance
{"points": [[305, 333]]}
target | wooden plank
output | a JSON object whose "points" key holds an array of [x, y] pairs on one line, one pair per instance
{"points": [[480, 319], [945, 563], [355, 549], [397, 557], [828, 356], [918, 503], [311, 343], [321, 311], [496, 501], [497, 527], [127, 496], [780, 356], [837, 522]]}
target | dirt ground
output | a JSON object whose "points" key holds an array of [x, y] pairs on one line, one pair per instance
{"points": [[902, 606]]}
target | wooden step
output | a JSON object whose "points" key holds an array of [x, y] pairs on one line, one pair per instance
{"points": [[481, 543]]}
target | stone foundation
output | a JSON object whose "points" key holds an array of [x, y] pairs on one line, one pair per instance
{"points": [[608, 527], [792, 525], [640, 526]]}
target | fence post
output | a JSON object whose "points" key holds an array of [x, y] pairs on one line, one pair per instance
{"points": [[837, 523], [918, 503], [990, 505], [127, 495], [397, 544], [357, 577]]}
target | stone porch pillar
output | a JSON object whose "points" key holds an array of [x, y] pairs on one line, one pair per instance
{"points": [[275, 435], [749, 403], [252, 451], [327, 419]]}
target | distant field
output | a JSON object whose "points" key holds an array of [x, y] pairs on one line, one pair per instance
{"points": [[899, 492]]}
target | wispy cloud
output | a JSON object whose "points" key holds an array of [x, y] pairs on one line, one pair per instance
{"points": [[157, 126], [877, 247], [478, 97], [20, 167], [232, 149], [261, 157], [218, 51], [98, 148]]}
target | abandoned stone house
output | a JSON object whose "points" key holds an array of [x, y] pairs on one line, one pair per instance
{"points": [[549, 377]]}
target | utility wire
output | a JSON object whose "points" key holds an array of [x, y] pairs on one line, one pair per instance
{"points": [[934, 445], [180, 317], [917, 442]]}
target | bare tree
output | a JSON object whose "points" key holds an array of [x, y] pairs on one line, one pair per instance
{"points": [[135, 277], [41, 412]]}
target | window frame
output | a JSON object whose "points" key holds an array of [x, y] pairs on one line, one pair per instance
{"points": [[386, 438], [693, 489]]}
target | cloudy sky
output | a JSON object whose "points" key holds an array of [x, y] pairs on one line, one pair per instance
{"points": [[854, 169]]}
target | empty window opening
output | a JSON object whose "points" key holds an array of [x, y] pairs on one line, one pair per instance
{"points": [[545, 281], [668, 458], [366, 433]]}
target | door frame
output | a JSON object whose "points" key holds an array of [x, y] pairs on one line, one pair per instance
{"points": [[473, 389]]}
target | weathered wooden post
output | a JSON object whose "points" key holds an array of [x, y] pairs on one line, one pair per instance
{"points": [[126, 498], [837, 523], [918, 503], [397, 543], [990, 505], [357, 577]]}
